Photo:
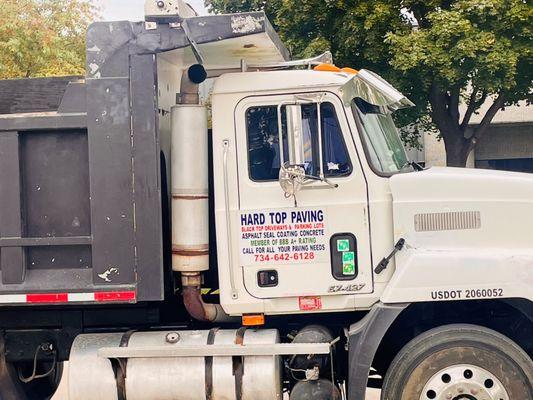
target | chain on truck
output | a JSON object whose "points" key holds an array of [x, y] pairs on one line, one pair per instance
{"points": [[282, 247]]}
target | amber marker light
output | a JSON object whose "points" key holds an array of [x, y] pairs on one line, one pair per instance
{"points": [[253, 319], [327, 68], [349, 70]]}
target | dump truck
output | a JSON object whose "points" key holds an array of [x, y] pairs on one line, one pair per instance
{"points": [[265, 239]]}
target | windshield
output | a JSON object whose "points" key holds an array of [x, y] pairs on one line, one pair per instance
{"points": [[380, 137]]}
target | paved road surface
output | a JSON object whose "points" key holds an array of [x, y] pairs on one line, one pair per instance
{"points": [[373, 394]]}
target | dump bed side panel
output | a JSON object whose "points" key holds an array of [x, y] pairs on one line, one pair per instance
{"points": [[75, 218], [81, 161]]}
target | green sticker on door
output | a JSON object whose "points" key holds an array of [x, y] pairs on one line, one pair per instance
{"points": [[348, 256], [348, 263], [343, 245], [348, 268]]}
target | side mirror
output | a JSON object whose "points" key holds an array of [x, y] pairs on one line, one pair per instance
{"points": [[291, 179], [295, 134], [292, 174]]}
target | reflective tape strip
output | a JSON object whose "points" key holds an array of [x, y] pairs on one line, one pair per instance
{"points": [[47, 298], [114, 296], [13, 298], [80, 297], [127, 296]]}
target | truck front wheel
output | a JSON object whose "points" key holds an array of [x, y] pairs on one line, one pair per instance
{"points": [[460, 362]]}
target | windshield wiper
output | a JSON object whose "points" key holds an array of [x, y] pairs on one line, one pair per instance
{"points": [[416, 166]]}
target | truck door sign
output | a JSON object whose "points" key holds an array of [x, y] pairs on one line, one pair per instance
{"points": [[283, 236]]}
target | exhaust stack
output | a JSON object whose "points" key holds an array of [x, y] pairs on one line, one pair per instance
{"points": [[190, 195]]}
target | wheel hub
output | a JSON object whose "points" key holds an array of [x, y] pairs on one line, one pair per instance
{"points": [[464, 382]]}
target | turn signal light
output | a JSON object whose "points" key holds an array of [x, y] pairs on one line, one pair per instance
{"points": [[327, 68], [253, 320], [334, 68], [349, 70]]}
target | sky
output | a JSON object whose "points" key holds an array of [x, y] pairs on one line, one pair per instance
{"points": [[133, 10]]}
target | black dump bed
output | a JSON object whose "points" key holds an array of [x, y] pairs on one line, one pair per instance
{"points": [[77, 223], [81, 159]]}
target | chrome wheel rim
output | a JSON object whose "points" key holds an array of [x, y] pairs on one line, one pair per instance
{"points": [[464, 382]]}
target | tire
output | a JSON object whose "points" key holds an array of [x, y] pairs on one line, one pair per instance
{"points": [[460, 362]]}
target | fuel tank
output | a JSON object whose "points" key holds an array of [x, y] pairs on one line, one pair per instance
{"points": [[174, 378]]}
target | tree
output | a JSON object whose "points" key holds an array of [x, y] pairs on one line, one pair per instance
{"points": [[43, 37], [440, 53]]}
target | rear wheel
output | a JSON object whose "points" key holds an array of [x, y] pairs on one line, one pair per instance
{"points": [[460, 362]]}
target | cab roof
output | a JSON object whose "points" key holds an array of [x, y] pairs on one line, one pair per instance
{"points": [[252, 82]]}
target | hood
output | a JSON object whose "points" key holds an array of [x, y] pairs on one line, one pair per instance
{"points": [[462, 183], [459, 207]]}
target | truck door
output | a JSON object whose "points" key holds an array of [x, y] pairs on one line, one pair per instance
{"points": [[316, 244]]}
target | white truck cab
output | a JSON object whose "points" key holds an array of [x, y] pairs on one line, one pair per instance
{"points": [[313, 250], [316, 250]]}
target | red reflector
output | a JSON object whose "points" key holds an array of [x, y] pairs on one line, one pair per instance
{"points": [[47, 298], [114, 296], [309, 303]]}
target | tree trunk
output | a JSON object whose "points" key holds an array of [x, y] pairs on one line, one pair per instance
{"points": [[457, 150], [445, 114]]}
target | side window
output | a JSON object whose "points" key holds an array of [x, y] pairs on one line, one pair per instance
{"points": [[335, 159], [263, 142], [264, 148]]}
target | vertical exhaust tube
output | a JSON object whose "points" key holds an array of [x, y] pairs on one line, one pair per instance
{"points": [[190, 195]]}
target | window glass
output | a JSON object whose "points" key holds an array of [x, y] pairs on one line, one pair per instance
{"points": [[310, 137], [335, 156], [263, 142], [336, 160], [380, 137]]}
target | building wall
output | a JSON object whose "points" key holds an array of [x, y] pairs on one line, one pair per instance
{"points": [[434, 152], [507, 144], [506, 141]]}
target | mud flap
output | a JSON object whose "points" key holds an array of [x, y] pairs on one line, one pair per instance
{"points": [[10, 387], [364, 339]]}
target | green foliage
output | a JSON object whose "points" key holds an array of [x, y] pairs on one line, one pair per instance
{"points": [[480, 42], [235, 6], [438, 52], [43, 37]]}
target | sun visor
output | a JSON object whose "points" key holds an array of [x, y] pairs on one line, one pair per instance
{"points": [[375, 90]]}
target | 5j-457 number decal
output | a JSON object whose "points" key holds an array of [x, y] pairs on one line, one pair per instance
{"points": [[466, 294]]}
